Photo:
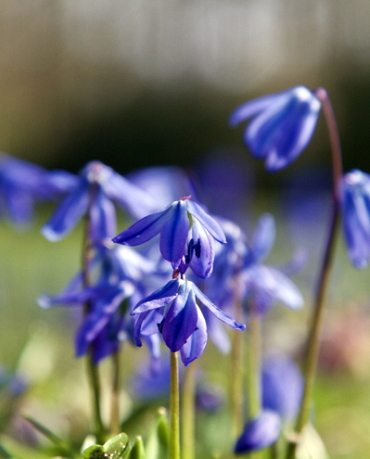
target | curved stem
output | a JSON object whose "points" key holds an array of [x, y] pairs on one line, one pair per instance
{"points": [[174, 446], [312, 349]]}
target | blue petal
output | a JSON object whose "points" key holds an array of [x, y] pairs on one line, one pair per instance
{"points": [[207, 221], [196, 343], [159, 298], [181, 318], [19, 204], [66, 216], [129, 196], [217, 333], [283, 130], [102, 218], [174, 234], [251, 108], [282, 386], [202, 266], [356, 216], [259, 433], [275, 284], [145, 229], [263, 237], [216, 311]]}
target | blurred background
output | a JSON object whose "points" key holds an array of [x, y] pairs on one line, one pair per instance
{"points": [[140, 83]]}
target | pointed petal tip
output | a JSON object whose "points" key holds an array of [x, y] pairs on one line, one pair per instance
{"points": [[44, 302], [51, 235]]}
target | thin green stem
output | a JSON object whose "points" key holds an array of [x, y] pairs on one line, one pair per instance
{"points": [[254, 367], [254, 364], [312, 348], [188, 412], [237, 372], [92, 370], [114, 417], [174, 446]]}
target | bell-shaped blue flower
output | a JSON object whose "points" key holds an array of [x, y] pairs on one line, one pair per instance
{"points": [[177, 245], [97, 186], [108, 321], [356, 216], [182, 323], [282, 125], [259, 433], [23, 183], [282, 386]]}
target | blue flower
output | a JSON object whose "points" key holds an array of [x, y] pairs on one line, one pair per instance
{"points": [[282, 127], [356, 216], [182, 323], [22, 183], [108, 321], [265, 283], [259, 433], [93, 193], [282, 386], [186, 236]]}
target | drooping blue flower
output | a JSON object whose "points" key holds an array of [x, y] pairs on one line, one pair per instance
{"points": [[97, 186], [282, 125], [265, 283], [186, 236], [23, 183], [282, 386], [259, 433], [108, 321], [356, 216], [181, 323]]}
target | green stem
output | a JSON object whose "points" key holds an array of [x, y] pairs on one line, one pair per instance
{"points": [[254, 364], [312, 348], [92, 370], [188, 412], [254, 367], [237, 372], [114, 418], [174, 447]]}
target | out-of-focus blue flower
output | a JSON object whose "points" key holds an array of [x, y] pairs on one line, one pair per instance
{"points": [[186, 236], [209, 397], [97, 186], [282, 386], [282, 125], [107, 323], [356, 216], [22, 183], [181, 321], [265, 283], [259, 433]]}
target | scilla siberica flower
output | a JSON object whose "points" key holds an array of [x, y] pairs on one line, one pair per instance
{"points": [[95, 189], [183, 326], [186, 236], [261, 432], [282, 125], [356, 216]]}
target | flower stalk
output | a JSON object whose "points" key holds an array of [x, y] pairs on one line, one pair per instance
{"points": [[92, 369], [114, 418], [174, 445], [188, 412], [237, 372], [312, 348]]}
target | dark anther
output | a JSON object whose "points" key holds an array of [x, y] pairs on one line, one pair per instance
{"points": [[191, 249], [160, 325]]}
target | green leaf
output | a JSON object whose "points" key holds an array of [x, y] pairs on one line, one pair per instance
{"points": [[61, 444], [157, 445], [94, 452], [137, 451], [117, 447]]}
